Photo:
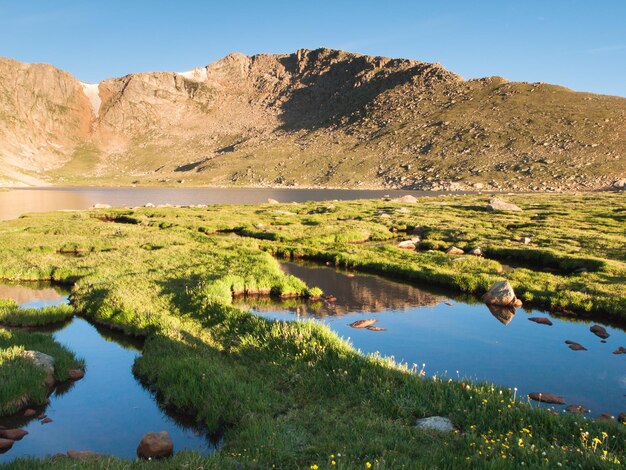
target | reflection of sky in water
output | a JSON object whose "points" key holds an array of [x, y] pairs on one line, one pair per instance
{"points": [[467, 338], [108, 411]]}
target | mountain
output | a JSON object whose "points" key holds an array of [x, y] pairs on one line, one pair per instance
{"points": [[313, 118]]}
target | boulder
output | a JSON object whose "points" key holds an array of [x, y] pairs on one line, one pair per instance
{"points": [[407, 245], [76, 374], [363, 323], [526, 240], [577, 409], [453, 250], [498, 205], [13, 434], [476, 251], [435, 423], [541, 320], [5, 444], [501, 293], [272, 201], [155, 445], [546, 398], [45, 362], [599, 331], [620, 184]]}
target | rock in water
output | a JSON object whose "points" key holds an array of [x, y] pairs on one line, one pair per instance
{"points": [[363, 323], [375, 328], [497, 205], [435, 423], [45, 362], [501, 293], [546, 398], [541, 320], [81, 454], [574, 346], [155, 445], [577, 409], [599, 331], [620, 350], [13, 434], [76, 374], [5, 444]]}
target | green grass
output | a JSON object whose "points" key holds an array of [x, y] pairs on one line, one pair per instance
{"points": [[291, 395], [22, 381], [13, 315]]}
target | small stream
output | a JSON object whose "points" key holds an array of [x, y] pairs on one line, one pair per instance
{"points": [[108, 411], [458, 337]]}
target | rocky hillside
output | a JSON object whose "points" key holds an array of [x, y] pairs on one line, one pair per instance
{"points": [[313, 118]]}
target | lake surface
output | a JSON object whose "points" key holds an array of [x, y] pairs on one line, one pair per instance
{"points": [[464, 340], [16, 202], [108, 411]]}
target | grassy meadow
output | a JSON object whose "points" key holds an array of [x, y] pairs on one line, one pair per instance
{"points": [[295, 395]]}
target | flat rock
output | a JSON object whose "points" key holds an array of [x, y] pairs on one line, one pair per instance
{"points": [[13, 434], [435, 423], [620, 350], [453, 250], [497, 204], [363, 323], [577, 409], [376, 328], [599, 331], [81, 454], [101, 206], [546, 398], [155, 445], [5, 444], [501, 293], [574, 346], [405, 199], [29, 412], [46, 420], [541, 320]]}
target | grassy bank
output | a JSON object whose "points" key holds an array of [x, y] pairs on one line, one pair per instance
{"points": [[294, 395]]}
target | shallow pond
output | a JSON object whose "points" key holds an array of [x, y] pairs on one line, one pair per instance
{"points": [[464, 339], [15, 202], [108, 411]]}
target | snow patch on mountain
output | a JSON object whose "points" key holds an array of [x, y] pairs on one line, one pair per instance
{"points": [[92, 92]]}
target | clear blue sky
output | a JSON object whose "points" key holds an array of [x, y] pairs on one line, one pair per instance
{"points": [[577, 43]]}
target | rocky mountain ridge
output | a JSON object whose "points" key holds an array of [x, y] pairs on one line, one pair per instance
{"points": [[315, 118]]}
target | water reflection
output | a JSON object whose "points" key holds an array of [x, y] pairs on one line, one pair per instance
{"points": [[16, 202], [458, 338], [35, 294], [109, 410]]}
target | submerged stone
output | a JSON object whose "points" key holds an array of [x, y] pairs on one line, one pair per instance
{"points": [[599, 331], [363, 323]]}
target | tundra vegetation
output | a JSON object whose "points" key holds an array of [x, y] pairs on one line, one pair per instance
{"points": [[293, 394]]}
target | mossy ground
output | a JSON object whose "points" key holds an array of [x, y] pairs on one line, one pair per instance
{"points": [[294, 395]]}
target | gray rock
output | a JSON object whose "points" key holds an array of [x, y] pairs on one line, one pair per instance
{"points": [[101, 206], [501, 293], [476, 251], [407, 245], [406, 199], [45, 362], [497, 204], [435, 423]]}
